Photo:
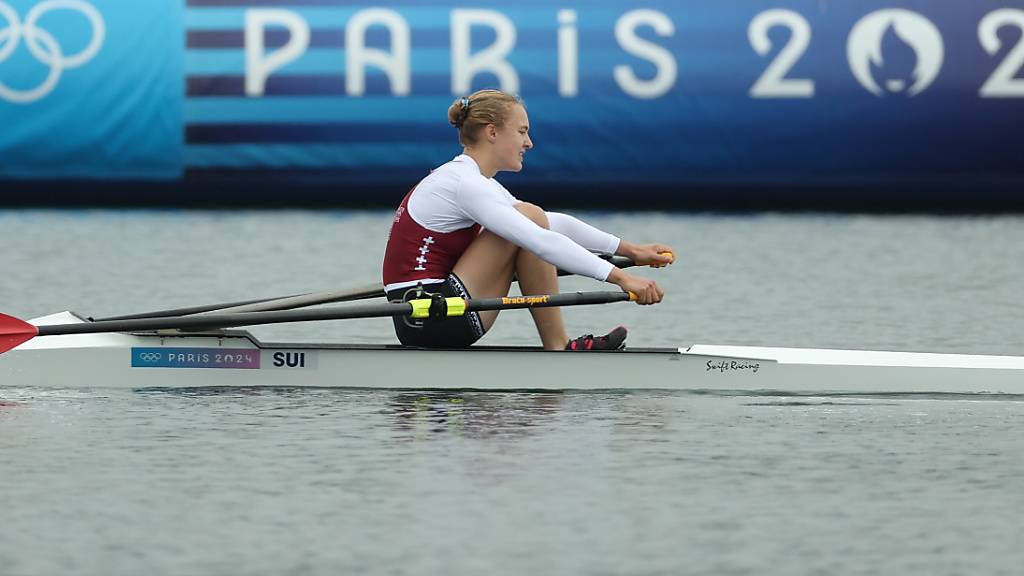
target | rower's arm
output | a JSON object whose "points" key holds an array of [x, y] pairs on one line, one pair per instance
{"points": [[494, 213], [578, 231], [583, 234]]}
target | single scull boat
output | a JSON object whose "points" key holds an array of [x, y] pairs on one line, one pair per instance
{"points": [[234, 358]]}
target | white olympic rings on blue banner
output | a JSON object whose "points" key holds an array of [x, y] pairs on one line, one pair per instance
{"points": [[43, 46], [150, 356]]}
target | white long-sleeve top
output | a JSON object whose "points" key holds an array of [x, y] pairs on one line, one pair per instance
{"points": [[438, 219]]}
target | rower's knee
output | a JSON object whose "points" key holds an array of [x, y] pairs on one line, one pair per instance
{"points": [[535, 213]]}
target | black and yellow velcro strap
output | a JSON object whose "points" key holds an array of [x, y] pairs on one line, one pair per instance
{"points": [[456, 306], [422, 307]]}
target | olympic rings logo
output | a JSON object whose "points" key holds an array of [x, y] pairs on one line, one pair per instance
{"points": [[150, 356], [43, 46]]}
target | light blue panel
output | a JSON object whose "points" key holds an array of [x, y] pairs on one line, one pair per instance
{"points": [[363, 155], [114, 111], [427, 17], [285, 110]]}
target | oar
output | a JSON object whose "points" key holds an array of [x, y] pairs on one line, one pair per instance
{"points": [[301, 300], [14, 331], [327, 297]]}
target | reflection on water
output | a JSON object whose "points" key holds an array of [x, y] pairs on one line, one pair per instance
{"points": [[468, 414], [477, 415], [9, 409], [483, 415]]}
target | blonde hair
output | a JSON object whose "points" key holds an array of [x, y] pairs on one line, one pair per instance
{"points": [[471, 113]]}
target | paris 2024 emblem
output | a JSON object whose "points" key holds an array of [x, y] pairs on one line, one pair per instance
{"points": [[866, 50]]}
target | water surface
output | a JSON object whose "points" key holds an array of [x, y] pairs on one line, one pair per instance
{"points": [[311, 481]]}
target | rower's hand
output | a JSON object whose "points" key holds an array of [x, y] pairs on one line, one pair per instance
{"points": [[647, 291], [655, 255]]}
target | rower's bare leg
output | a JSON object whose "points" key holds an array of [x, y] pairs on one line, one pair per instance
{"points": [[487, 266], [486, 269], [539, 277]]}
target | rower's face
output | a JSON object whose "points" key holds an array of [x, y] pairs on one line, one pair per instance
{"points": [[513, 139]]}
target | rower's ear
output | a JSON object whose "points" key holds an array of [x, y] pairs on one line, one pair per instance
{"points": [[491, 132]]}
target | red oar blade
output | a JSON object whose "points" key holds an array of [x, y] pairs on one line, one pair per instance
{"points": [[14, 332]]}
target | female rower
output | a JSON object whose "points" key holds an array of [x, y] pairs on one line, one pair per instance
{"points": [[461, 233]]}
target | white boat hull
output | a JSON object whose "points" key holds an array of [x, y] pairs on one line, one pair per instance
{"points": [[236, 359]]}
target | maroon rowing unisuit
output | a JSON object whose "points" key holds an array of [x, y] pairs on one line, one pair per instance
{"points": [[416, 254]]}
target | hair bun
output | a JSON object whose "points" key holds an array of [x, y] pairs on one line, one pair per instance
{"points": [[458, 112], [470, 113]]}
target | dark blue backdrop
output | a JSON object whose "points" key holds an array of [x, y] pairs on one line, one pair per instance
{"points": [[660, 95]]}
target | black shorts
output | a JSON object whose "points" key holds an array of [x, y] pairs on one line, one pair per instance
{"points": [[454, 332]]}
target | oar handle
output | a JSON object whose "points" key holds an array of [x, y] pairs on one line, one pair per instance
{"points": [[548, 300], [439, 307], [672, 258]]}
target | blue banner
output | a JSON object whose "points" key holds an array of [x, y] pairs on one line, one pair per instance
{"points": [[641, 93], [656, 94], [91, 89]]}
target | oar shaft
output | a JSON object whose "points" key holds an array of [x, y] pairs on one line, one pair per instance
{"points": [[229, 320], [189, 309], [421, 308], [302, 300], [299, 300], [266, 304]]}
